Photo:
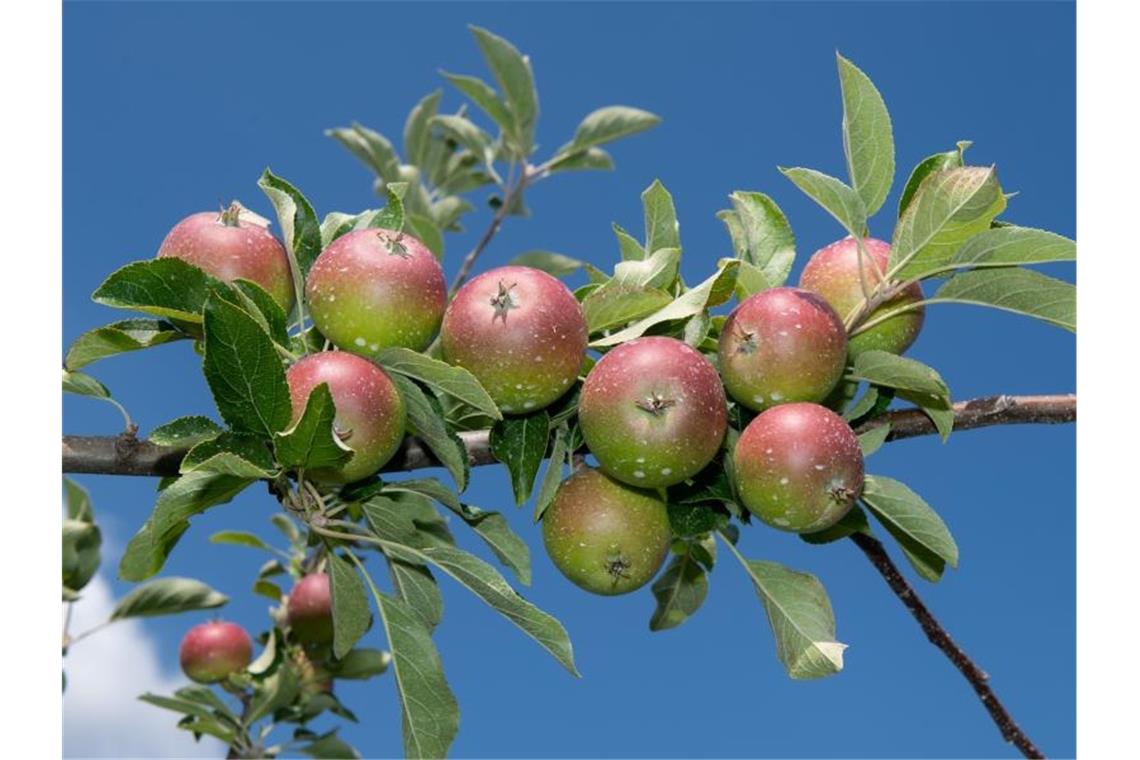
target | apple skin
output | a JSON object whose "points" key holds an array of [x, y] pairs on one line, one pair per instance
{"points": [[833, 272], [212, 651], [781, 345], [309, 610], [370, 415], [603, 535], [798, 467], [229, 248], [374, 289], [653, 412], [521, 332]]}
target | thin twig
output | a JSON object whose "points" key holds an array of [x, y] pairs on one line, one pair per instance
{"points": [[104, 455], [938, 636], [512, 189]]}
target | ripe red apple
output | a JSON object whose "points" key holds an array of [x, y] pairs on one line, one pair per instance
{"points": [[780, 345], [833, 272], [309, 609], [212, 651], [521, 332], [604, 536], [653, 412], [798, 467], [228, 247], [373, 289], [370, 414]]}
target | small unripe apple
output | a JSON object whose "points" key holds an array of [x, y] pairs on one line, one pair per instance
{"points": [[603, 535], [309, 610], [833, 272], [229, 247], [521, 332], [212, 651], [781, 345], [798, 467], [653, 412], [373, 289], [314, 678], [370, 415]]}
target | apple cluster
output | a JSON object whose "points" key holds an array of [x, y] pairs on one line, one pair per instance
{"points": [[211, 652], [653, 411]]}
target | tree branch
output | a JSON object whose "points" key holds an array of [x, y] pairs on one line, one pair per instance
{"points": [[938, 636], [125, 455]]}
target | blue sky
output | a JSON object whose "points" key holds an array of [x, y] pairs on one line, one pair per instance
{"points": [[172, 108]]}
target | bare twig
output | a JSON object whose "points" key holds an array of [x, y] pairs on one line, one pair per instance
{"points": [[511, 191], [938, 636], [106, 455]]}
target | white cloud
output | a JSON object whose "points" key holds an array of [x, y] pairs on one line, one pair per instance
{"points": [[102, 716]]}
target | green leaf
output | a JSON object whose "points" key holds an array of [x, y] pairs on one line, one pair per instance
{"points": [[78, 501], [492, 527], [1005, 246], [868, 141], [270, 656], [260, 305], [483, 96], [189, 495], [714, 291], [855, 521], [167, 287], [680, 591], [691, 515], [930, 165], [631, 250], [184, 432], [520, 444], [417, 129], [513, 74], [167, 596], [428, 232], [82, 384], [661, 228], [552, 263], [559, 454], [430, 712], [761, 235], [415, 585], [872, 440], [658, 270], [468, 134], [273, 692], [81, 553], [349, 605], [834, 196], [331, 746], [950, 207], [425, 421], [923, 536], [313, 443], [119, 338], [1021, 291], [893, 371], [242, 454], [361, 664], [801, 618], [586, 160], [440, 376], [613, 305], [244, 372], [484, 581], [239, 538], [300, 227], [610, 123], [371, 147]]}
